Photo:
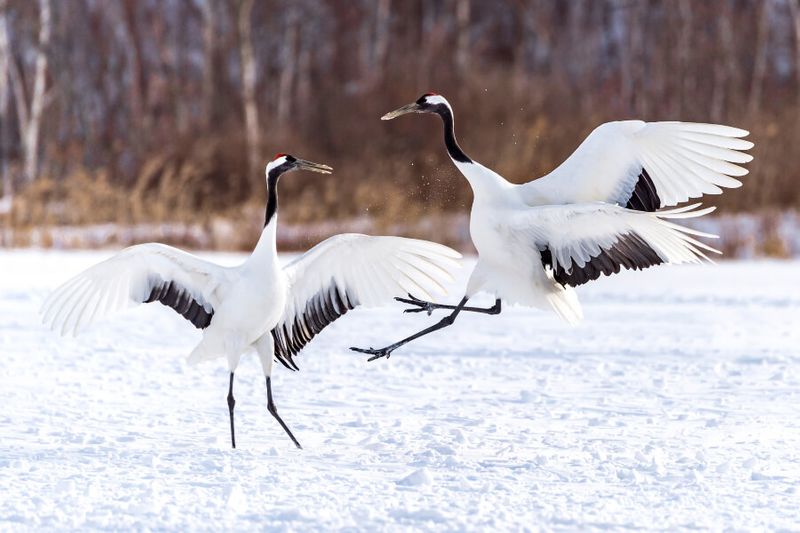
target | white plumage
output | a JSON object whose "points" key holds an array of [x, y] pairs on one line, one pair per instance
{"points": [[257, 305], [684, 160], [595, 214], [576, 236], [126, 279]]}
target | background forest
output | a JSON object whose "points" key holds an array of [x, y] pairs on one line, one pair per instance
{"points": [[142, 112]]}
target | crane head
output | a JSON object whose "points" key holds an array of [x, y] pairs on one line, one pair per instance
{"points": [[427, 103], [282, 163]]}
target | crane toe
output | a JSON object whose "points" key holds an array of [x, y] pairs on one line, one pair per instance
{"points": [[376, 353]]}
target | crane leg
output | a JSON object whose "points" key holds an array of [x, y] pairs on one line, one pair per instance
{"points": [[386, 352], [231, 404], [429, 307], [274, 412]]}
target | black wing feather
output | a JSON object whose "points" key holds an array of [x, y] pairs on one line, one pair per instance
{"points": [[644, 196], [323, 308], [181, 300], [630, 252]]}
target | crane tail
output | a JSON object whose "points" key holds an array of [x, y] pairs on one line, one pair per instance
{"points": [[566, 305], [201, 353]]}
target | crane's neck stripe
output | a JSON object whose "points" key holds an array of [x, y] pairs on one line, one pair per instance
{"points": [[455, 151], [272, 196]]}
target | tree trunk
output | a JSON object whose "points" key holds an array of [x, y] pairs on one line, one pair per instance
{"points": [[30, 141], [5, 130], [625, 44], [209, 62], [304, 77], [725, 68], [288, 68], [137, 68], [638, 22], [248, 67], [382, 35], [794, 6], [760, 67], [462, 40], [685, 89]]}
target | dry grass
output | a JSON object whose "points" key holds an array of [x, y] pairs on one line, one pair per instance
{"points": [[395, 174]]}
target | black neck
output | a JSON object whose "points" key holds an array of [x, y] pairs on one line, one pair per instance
{"points": [[455, 151], [272, 196]]}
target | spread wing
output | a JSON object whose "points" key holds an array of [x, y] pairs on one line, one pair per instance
{"points": [[349, 270], [579, 243], [645, 165], [139, 274]]}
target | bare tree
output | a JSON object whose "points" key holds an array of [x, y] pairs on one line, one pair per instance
{"points": [[794, 6], [725, 67], [382, 36], [117, 93], [760, 67], [30, 108], [289, 66], [463, 40], [374, 42], [626, 53], [210, 45], [248, 68], [5, 130], [685, 89]]}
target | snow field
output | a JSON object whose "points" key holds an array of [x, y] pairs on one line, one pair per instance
{"points": [[676, 404]]}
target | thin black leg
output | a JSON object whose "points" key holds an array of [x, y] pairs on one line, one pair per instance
{"points": [[387, 351], [274, 412], [429, 307], [231, 404]]}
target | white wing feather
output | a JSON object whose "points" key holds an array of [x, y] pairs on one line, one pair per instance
{"points": [[125, 280], [684, 160], [349, 270], [575, 234], [372, 269]]}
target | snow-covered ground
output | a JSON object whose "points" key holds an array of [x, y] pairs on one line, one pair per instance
{"points": [[676, 404]]}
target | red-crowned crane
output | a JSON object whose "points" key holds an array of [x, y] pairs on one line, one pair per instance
{"points": [[596, 213], [257, 305]]}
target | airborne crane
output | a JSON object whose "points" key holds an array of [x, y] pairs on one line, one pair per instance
{"points": [[596, 213], [257, 305]]}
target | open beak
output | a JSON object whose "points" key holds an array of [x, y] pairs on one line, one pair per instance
{"points": [[410, 108], [313, 167]]}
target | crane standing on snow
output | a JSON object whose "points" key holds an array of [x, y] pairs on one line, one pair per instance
{"points": [[591, 216], [257, 305]]}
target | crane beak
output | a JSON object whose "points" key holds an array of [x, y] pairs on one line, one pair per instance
{"points": [[313, 167], [410, 108]]}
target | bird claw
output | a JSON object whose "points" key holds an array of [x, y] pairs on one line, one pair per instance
{"points": [[422, 305], [427, 309], [375, 353]]}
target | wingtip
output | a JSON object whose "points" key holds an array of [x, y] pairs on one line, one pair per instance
{"points": [[687, 211]]}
